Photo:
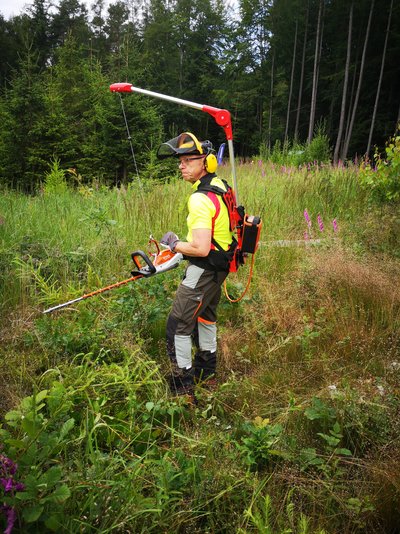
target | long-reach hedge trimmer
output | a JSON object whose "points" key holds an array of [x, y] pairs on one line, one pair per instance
{"points": [[247, 228], [163, 260]]}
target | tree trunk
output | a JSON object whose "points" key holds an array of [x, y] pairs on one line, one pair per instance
{"points": [[315, 75], [353, 113], [271, 99], [344, 94], [380, 81], [303, 58], [291, 83], [352, 92], [320, 42]]}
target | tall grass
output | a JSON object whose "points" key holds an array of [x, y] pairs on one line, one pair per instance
{"points": [[302, 433], [73, 234]]}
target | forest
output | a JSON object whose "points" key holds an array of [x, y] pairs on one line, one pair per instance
{"points": [[287, 70]]}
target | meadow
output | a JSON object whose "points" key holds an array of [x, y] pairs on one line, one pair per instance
{"points": [[302, 433]]}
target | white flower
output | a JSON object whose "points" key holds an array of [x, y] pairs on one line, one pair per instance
{"points": [[381, 390]]}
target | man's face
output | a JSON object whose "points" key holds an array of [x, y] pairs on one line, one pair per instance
{"points": [[192, 168]]}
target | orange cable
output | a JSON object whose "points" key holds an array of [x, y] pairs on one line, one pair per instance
{"points": [[247, 285]]}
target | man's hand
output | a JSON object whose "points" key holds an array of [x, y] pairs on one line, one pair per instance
{"points": [[170, 240]]}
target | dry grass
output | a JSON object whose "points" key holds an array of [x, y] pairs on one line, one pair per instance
{"points": [[374, 279], [334, 321]]}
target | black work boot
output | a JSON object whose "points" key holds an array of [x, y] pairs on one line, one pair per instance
{"points": [[181, 382], [204, 365]]}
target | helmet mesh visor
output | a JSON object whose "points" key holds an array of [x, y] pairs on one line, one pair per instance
{"points": [[183, 144]]}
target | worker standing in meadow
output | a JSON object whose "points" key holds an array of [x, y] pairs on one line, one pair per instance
{"points": [[209, 248]]}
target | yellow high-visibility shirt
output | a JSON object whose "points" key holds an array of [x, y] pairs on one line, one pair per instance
{"points": [[201, 212]]}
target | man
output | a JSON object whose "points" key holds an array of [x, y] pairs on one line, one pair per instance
{"points": [[208, 248]]}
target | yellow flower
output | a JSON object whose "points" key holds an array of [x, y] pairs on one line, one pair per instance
{"points": [[260, 422]]}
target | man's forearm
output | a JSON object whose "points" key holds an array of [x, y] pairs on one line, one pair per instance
{"points": [[191, 249]]}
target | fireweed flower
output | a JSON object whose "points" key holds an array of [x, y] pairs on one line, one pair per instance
{"points": [[7, 466], [320, 223], [335, 226], [7, 484], [307, 218], [7, 471], [11, 517]]}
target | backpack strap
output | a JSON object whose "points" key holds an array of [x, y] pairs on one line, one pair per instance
{"points": [[213, 197], [213, 192]]}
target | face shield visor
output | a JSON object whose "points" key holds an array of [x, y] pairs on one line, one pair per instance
{"points": [[185, 143]]}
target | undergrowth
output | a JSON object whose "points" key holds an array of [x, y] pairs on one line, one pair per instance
{"points": [[302, 433]]}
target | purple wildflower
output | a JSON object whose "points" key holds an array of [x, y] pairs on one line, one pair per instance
{"points": [[7, 466], [335, 226], [307, 218], [11, 516], [320, 223], [7, 484], [7, 471]]}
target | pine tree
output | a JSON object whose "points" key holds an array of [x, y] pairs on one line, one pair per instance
{"points": [[22, 106]]}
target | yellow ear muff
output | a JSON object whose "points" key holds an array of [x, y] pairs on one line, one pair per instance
{"points": [[211, 163]]}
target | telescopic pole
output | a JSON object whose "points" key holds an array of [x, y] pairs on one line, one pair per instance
{"points": [[93, 293], [221, 116]]}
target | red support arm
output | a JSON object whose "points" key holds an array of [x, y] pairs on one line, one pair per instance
{"points": [[121, 87], [221, 116]]}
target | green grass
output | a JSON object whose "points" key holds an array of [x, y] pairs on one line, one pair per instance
{"points": [[302, 434]]}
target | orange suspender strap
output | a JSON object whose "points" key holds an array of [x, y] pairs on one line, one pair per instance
{"points": [[214, 200]]}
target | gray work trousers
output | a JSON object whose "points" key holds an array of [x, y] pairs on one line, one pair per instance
{"points": [[194, 317]]}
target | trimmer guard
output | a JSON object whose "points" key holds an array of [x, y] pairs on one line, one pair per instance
{"points": [[164, 261]]}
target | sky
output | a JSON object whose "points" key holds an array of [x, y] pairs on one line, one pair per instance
{"points": [[10, 8]]}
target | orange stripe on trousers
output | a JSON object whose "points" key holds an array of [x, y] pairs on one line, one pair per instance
{"points": [[204, 321]]}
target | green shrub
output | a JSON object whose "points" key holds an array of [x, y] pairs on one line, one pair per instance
{"points": [[382, 178], [318, 150], [297, 154], [261, 443], [94, 422], [54, 181], [37, 439]]}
